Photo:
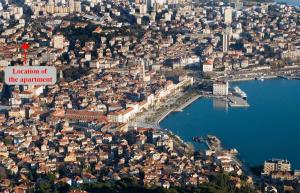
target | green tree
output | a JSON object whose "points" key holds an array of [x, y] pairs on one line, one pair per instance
{"points": [[7, 141], [44, 187], [62, 187]]}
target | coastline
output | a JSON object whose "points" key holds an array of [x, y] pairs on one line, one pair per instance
{"points": [[178, 109], [177, 103], [237, 159], [184, 105], [252, 78], [276, 78]]}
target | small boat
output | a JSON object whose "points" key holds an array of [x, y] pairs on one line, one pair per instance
{"points": [[233, 151], [260, 78], [198, 139]]}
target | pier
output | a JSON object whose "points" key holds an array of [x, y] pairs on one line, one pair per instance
{"points": [[235, 101], [213, 143]]}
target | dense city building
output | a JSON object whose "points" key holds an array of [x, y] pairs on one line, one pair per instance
{"points": [[122, 66]]}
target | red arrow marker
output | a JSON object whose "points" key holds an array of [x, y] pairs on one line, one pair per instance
{"points": [[25, 47]]}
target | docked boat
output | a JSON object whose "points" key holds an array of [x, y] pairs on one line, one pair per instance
{"points": [[262, 78], [198, 139], [233, 151], [238, 92]]}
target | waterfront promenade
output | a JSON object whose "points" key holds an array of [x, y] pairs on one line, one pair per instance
{"points": [[152, 117], [183, 106], [259, 74]]}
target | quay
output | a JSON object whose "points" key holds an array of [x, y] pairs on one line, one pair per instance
{"points": [[181, 108], [235, 101], [214, 144], [239, 79], [290, 77], [213, 147]]}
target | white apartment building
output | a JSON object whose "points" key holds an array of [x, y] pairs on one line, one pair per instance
{"points": [[276, 165], [58, 41], [220, 88]]}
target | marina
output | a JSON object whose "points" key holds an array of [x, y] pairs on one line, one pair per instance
{"points": [[212, 142]]}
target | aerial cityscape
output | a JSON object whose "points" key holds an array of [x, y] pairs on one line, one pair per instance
{"points": [[149, 96]]}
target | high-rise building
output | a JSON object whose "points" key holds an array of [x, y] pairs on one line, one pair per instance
{"points": [[226, 38], [141, 63], [228, 15], [225, 41]]}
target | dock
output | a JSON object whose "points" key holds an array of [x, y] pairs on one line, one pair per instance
{"points": [[235, 101]]}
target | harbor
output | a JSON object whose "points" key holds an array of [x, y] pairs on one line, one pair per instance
{"points": [[235, 126], [236, 98], [213, 144]]}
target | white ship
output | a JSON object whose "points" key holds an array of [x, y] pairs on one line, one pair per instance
{"points": [[238, 92]]}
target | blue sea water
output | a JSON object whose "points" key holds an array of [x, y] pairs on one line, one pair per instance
{"points": [[269, 128], [290, 2]]}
